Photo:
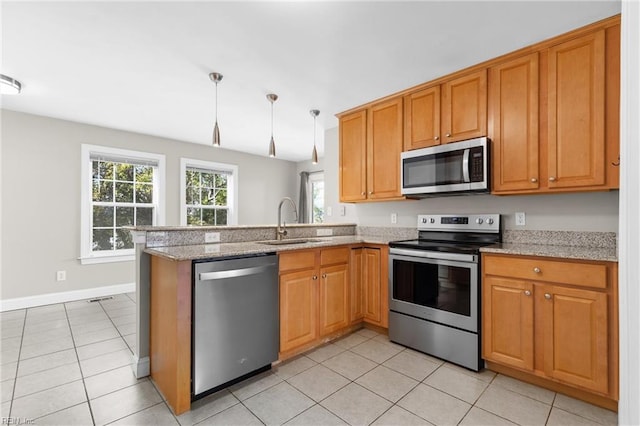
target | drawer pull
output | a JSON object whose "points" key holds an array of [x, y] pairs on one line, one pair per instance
{"points": [[534, 180], [324, 275], [527, 293], [547, 296], [552, 179], [436, 138], [536, 270], [315, 277], [448, 135]]}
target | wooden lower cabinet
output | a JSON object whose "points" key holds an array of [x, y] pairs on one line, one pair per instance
{"points": [[298, 309], [334, 298], [539, 318], [356, 302]]}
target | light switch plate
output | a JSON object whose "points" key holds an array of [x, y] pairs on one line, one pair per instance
{"points": [[520, 219], [211, 237], [394, 217], [343, 210], [329, 211]]}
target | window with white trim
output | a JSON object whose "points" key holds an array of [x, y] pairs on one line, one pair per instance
{"points": [[316, 197], [208, 193], [120, 188]]}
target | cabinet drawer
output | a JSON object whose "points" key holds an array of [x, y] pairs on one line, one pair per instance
{"points": [[577, 273], [297, 260], [334, 255]]}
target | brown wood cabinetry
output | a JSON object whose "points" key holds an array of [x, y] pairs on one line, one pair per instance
{"points": [[453, 111], [554, 319], [369, 291], [370, 146], [356, 303], [314, 295]]}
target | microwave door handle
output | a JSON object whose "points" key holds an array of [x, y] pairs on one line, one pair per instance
{"points": [[465, 166]]}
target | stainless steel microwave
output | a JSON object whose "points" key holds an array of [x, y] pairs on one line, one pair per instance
{"points": [[456, 167]]}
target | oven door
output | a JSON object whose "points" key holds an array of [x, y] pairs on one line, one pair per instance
{"points": [[439, 287]]}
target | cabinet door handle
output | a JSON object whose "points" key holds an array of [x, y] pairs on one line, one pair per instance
{"points": [[370, 192], [315, 277], [534, 180], [436, 138], [552, 179], [448, 135], [324, 275], [547, 296], [527, 293], [616, 163], [536, 270], [364, 193]]}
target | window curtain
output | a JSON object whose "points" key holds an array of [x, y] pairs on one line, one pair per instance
{"points": [[303, 201]]}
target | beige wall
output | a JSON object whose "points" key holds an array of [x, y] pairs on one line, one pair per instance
{"points": [[40, 178], [592, 211]]}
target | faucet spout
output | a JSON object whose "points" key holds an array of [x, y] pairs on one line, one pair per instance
{"points": [[282, 226]]}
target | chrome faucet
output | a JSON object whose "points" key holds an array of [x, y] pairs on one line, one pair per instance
{"points": [[282, 230]]}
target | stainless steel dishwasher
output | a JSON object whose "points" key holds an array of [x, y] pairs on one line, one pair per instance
{"points": [[235, 320]]}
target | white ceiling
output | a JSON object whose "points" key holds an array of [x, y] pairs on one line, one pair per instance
{"points": [[144, 66]]}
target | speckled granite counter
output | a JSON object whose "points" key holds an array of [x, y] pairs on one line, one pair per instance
{"points": [[559, 244], [209, 251]]}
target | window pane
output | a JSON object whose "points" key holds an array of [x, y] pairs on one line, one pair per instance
{"points": [[102, 216], [317, 201], [208, 180], [221, 216], [144, 174], [193, 195], [193, 216], [95, 164], [206, 195], [208, 217], [124, 216], [105, 170], [124, 192], [103, 190], [221, 181], [124, 240], [124, 172], [144, 216], [193, 178], [102, 239], [144, 193], [221, 197]]}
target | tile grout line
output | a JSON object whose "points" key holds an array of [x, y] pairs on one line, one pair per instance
{"points": [[15, 377]]}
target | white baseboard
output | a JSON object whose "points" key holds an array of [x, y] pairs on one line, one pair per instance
{"points": [[141, 367], [65, 296]]}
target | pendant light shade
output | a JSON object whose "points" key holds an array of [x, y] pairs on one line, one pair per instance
{"points": [[272, 145], [314, 154], [216, 78], [9, 86]]}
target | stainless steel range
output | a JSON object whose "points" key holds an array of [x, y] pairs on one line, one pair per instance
{"points": [[434, 286]]}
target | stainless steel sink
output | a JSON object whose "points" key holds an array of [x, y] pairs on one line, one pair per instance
{"points": [[291, 241]]}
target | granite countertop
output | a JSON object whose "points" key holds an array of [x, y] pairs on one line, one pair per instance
{"points": [[209, 251], [556, 251]]}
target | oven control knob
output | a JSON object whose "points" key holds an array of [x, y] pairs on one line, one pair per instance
{"points": [[432, 220], [479, 221], [490, 221], [424, 220]]}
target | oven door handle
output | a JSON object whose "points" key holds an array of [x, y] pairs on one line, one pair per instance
{"points": [[465, 166], [471, 258]]}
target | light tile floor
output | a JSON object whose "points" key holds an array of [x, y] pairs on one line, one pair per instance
{"points": [[69, 364]]}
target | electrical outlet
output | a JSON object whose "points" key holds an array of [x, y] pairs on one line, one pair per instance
{"points": [[343, 210], [329, 211], [324, 232], [394, 217], [211, 237], [520, 219], [61, 275]]}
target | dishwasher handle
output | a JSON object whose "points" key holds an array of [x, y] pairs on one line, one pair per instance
{"points": [[234, 273]]}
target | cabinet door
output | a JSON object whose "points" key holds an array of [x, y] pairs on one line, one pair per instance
{"points": [[383, 150], [356, 310], [353, 155], [298, 309], [372, 286], [334, 297], [422, 119], [507, 322], [576, 128], [464, 107], [513, 118], [575, 336]]}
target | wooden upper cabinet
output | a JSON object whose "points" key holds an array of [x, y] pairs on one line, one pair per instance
{"points": [[576, 112], [384, 146], [422, 119], [464, 107], [513, 124], [353, 156]]}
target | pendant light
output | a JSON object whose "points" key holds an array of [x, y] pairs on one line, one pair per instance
{"points": [[9, 86], [314, 154], [216, 78], [272, 145]]}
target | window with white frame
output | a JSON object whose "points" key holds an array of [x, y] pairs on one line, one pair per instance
{"points": [[120, 188], [316, 199], [208, 193]]}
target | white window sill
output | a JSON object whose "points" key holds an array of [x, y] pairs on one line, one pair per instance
{"points": [[106, 259]]}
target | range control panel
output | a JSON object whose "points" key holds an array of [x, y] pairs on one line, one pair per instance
{"points": [[466, 222]]}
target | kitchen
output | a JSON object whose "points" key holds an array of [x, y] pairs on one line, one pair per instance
{"points": [[597, 211]]}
